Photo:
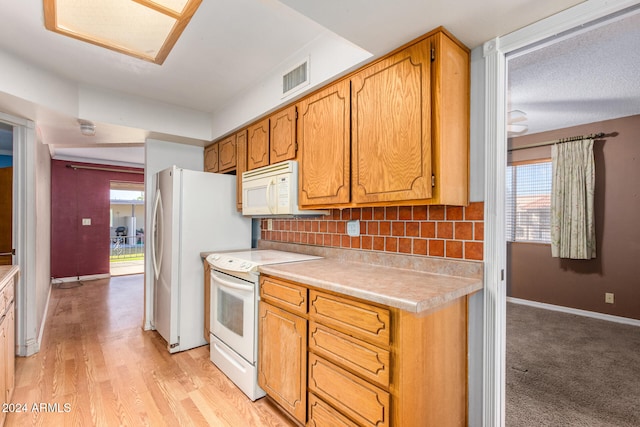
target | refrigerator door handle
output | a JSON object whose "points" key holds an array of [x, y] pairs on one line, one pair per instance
{"points": [[157, 246]]}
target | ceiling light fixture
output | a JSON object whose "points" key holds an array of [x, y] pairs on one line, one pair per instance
{"points": [[144, 29], [515, 125], [87, 128]]}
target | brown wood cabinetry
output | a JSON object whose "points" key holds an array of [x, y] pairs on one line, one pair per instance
{"points": [[362, 364], [391, 128], [211, 153], [283, 135], [241, 164], [227, 154], [272, 139], [325, 152], [395, 132], [7, 344], [409, 131], [282, 357], [258, 145]]}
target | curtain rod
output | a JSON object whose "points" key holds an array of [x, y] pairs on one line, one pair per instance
{"points": [[103, 169], [561, 140]]}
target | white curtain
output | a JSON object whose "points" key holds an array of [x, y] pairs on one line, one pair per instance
{"points": [[572, 189]]}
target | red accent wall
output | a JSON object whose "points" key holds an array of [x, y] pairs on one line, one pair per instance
{"points": [[76, 249], [436, 231]]}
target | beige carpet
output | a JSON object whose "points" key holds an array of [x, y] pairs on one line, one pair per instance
{"points": [[569, 370]]}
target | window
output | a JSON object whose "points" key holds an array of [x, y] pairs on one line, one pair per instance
{"points": [[529, 202]]}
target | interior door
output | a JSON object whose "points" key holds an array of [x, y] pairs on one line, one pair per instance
{"points": [[6, 215]]}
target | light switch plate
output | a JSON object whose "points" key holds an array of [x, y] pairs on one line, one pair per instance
{"points": [[86, 221], [353, 228]]}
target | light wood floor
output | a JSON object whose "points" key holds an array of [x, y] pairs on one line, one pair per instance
{"points": [[96, 359]]}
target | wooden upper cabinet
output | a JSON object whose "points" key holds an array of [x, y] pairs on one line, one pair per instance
{"points": [[391, 135], [258, 145], [283, 135], [241, 164], [450, 97], [211, 158], [227, 154], [324, 137]]}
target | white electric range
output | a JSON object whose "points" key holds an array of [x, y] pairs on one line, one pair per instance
{"points": [[234, 312]]}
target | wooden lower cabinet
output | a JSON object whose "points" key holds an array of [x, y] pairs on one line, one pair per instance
{"points": [[282, 359], [366, 364], [7, 346]]}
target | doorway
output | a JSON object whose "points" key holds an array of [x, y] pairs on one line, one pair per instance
{"points": [[6, 194], [127, 228], [492, 134]]}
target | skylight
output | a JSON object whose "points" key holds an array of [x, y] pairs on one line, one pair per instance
{"points": [[143, 29]]}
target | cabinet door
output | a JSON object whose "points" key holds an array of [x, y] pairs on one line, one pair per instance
{"points": [[282, 359], [391, 135], [11, 352], [324, 140], [258, 145], [283, 135], [211, 158], [227, 154], [241, 164]]}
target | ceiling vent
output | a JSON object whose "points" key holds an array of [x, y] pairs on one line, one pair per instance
{"points": [[296, 78]]}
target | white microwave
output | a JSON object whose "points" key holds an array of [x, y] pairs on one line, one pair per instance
{"points": [[273, 191]]}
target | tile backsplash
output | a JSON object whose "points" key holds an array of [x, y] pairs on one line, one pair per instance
{"points": [[435, 231]]}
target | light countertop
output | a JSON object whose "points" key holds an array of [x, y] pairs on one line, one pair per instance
{"points": [[406, 289], [6, 274]]}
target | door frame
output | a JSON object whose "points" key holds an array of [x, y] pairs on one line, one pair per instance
{"points": [[495, 163], [24, 235]]}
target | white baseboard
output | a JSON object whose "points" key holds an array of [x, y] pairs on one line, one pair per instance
{"points": [[78, 278], [593, 314]]}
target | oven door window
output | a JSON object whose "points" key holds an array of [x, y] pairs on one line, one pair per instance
{"points": [[233, 305], [229, 312]]}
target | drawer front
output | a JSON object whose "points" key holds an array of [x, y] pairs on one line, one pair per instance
{"points": [[284, 294], [366, 360], [358, 399], [360, 320], [323, 415]]}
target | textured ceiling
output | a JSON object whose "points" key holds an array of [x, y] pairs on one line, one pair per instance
{"points": [[588, 76]]}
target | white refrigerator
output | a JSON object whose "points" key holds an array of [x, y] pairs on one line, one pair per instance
{"points": [[193, 212]]}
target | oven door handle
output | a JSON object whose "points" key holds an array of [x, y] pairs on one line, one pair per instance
{"points": [[227, 284]]}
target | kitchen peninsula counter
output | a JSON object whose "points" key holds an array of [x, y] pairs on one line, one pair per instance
{"points": [[7, 273], [409, 283], [409, 290]]}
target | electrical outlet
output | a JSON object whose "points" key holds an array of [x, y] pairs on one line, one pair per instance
{"points": [[269, 224], [608, 298], [86, 221], [353, 228]]}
